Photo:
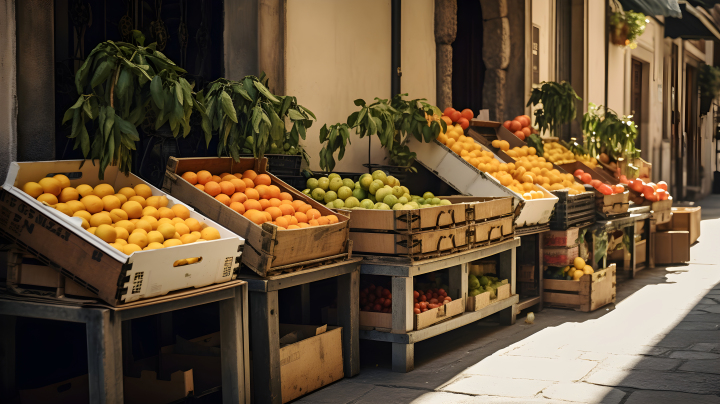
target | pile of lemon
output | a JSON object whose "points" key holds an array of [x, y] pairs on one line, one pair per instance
{"points": [[559, 154], [578, 269], [130, 220]]}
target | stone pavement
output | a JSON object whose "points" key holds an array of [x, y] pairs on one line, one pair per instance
{"points": [[660, 343]]}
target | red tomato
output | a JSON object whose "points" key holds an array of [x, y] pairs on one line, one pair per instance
{"points": [[371, 298], [424, 310], [578, 172], [377, 307], [433, 300], [520, 135], [637, 186], [378, 291], [605, 189], [372, 287], [653, 185], [416, 294], [506, 124], [455, 116], [380, 301], [524, 120], [386, 292], [662, 185], [442, 291], [652, 197], [623, 179], [423, 298], [417, 311], [467, 114], [595, 183], [448, 111], [387, 303], [586, 178], [648, 190], [618, 189], [662, 194], [526, 131], [515, 126], [448, 299], [464, 123]]}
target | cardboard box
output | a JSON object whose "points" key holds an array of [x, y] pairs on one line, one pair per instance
{"points": [[368, 319], [475, 303], [115, 277], [526, 273], [271, 247], [312, 361], [561, 238], [560, 256], [672, 247], [438, 314], [687, 219]]}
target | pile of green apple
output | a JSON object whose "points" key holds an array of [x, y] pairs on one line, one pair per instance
{"points": [[372, 191]]}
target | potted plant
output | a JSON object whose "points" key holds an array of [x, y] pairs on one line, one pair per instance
{"points": [[249, 119], [709, 83], [626, 27], [118, 84], [557, 105], [610, 136]]}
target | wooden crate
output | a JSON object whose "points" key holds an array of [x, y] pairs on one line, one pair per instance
{"points": [[589, 293], [412, 221], [271, 249], [427, 244], [475, 303], [486, 208], [492, 231], [438, 314], [609, 205]]}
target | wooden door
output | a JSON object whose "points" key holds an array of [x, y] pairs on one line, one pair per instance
{"points": [[692, 171], [636, 98]]}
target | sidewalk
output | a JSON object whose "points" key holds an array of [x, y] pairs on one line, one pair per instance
{"points": [[659, 344]]}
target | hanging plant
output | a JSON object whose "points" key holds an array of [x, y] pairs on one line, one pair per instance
{"points": [[117, 85], [709, 84], [248, 118], [557, 105], [626, 27]]}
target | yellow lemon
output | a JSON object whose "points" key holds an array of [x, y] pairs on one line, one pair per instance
{"points": [[50, 186], [68, 194], [588, 270], [210, 233], [167, 230], [155, 237], [138, 238], [107, 233], [577, 274], [33, 189], [104, 190], [579, 263], [84, 190]]}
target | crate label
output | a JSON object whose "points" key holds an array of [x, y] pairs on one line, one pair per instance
{"points": [[295, 356], [227, 269], [25, 217]]}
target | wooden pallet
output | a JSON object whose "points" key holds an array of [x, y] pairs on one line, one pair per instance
{"points": [[588, 294]]}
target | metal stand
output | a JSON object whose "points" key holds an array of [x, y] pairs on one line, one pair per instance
{"points": [[402, 335], [104, 339], [265, 325], [627, 224]]}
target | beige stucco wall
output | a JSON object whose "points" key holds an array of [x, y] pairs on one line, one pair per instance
{"points": [[339, 51]]}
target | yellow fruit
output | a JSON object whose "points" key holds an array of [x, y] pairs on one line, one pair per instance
{"points": [[172, 242], [163, 201], [118, 247], [153, 222], [167, 230], [153, 201], [155, 237], [127, 191], [193, 260], [180, 263], [118, 214], [182, 229], [143, 225], [64, 208], [166, 213], [110, 202], [101, 218], [83, 214], [84, 190], [139, 231], [151, 211], [133, 209], [139, 199], [188, 239], [122, 198], [210, 233], [120, 241], [197, 235], [138, 238], [85, 225], [143, 190], [68, 194], [577, 274], [33, 189], [131, 248], [107, 233], [122, 233], [93, 203], [579, 263], [176, 220], [50, 186], [63, 180], [588, 270], [181, 211], [91, 230], [153, 246], [50, 199], [193, 224], [104, 190], [125, 224]]}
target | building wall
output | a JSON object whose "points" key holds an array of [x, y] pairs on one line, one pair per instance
{"points": [[340, 51], [8, 90]]}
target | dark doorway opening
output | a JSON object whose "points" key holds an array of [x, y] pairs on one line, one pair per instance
{"points": [[468, 74]]}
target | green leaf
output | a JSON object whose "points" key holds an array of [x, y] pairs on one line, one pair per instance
{"points": [[264, 91], [323, 133], [227, 106], [156, 91], [102, 73], [84, 141], [78, 103], [359, 102], [77, 122], [179, 93], [127, 128], [87, 109], [295, 115], [68, 115], [124, 81], [109, 121]]}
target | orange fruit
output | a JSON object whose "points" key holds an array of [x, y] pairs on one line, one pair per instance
{"points": [[150, 219], [84, 190], [121, 197], [313, 214], [262, 179], [285, 196], [274, 212], [228, 177], [125, 224], [216, 178], [323, 221], [133, 209], [238, 197], [50, 199], [286, 202], [143, 190], [193, 224], [67, 194], [301, 217], [273, 191], [117, 215], [264, 203], [304, 208], [182, 229], [33, 189], [110, 202], [181, 211], [155, 237], [139, 239], [153, 201], [188, 239], [131, 248], [50, 186], [172, 242], [127, 191], [227, 188], [190, 177], [64, 208], [248, 183], [210, 233], [75, 205], [293, 220], [103, 190], [166, 213], [262, 191], [275, 202], [200, 187], [63, 180], [293, 226], [93, 203], [151, 211], [313, 222], [212, 188], [122, 234], [177, 220], [302, 225], [255, 216], [282, 222], [139, 199], [83, 214], [252, 204], [163, 201], [107, 233], [333, 219], [239, 184], [237, 207], [287, 209], [225, 174], [250, 174], [224, 199], [203, 177], [252, 193], [297, 204]]}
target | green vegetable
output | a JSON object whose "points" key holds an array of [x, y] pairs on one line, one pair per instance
{"points": [[473, 282]]}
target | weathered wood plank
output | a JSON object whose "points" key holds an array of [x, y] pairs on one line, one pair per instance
{"points": [[348, 296], [402, 303], [265, 341]]}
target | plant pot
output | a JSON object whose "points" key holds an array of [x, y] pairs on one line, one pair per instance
{"points": [[619, 33]]}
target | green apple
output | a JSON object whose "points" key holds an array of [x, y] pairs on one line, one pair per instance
{"points": [[344, 192], [352, 202], [359, 193], [324, 183], [335, 184], [380, 175], [311, 183], [330, 196], [318, 194]]}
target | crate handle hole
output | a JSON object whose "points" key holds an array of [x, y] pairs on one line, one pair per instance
{"points": [[187, 261]]}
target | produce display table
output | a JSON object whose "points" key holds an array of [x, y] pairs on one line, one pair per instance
{"points": [[403, 341], [104, 332], [265, 325], [627, 225]]}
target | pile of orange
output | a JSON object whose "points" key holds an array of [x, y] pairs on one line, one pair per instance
{"points": [[130, 220], [253, 196]]}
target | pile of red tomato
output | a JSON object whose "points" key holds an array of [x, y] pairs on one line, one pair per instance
{"points": [[451, 116], [376, 298], [429, 299], [520, 126], [650, 191], [601, 187]]}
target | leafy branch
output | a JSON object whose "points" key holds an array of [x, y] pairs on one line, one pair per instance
{"points": [[606, 132], [558, 105]]}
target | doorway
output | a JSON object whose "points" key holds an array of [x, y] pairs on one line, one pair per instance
{"points": [[468, 76], [692, 131]]}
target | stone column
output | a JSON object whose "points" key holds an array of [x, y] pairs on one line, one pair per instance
{"points": [[445, 32], [240, 39], [8, 87], [272, 29], [496, 55]]}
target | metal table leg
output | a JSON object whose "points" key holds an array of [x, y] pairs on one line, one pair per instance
{"points": [[265, 341], [348, 296]]}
